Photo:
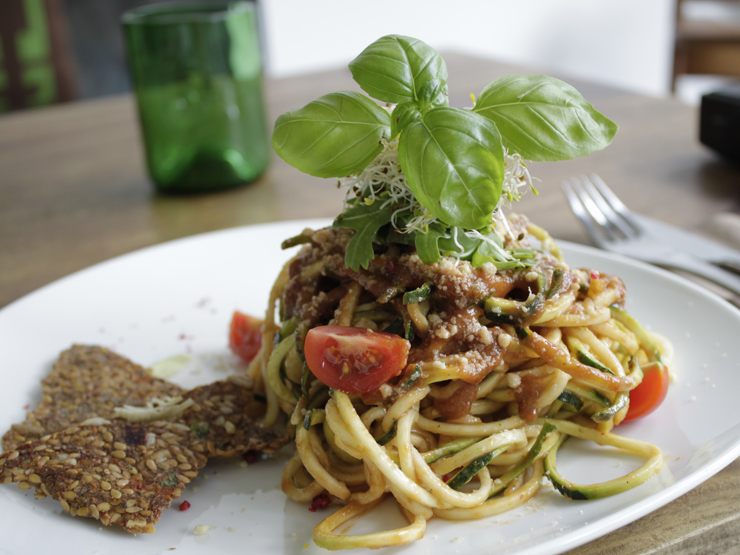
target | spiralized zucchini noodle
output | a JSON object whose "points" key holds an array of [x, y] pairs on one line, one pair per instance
{"points": [[504, 366]]}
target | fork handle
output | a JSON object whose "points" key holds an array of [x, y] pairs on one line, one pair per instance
{"points": [[688, 263], [729, 265]]}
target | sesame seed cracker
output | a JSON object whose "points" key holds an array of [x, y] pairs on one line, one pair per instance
{"points": [[115, 470], [86, 382]]}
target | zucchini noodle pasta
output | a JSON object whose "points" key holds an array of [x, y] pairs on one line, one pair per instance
{"points": [[502, 367]]}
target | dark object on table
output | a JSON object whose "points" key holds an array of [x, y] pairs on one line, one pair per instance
{"points": [[35, 66], [719, 126]]}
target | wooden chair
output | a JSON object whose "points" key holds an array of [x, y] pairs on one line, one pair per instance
{"points": [[704, 47], [35, 65]]}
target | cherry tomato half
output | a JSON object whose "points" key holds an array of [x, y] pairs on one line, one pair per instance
{"points": [[354, 360], [648, 396], [245, 335]]}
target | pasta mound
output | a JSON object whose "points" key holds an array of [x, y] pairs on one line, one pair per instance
{"points": [[504, 365]]}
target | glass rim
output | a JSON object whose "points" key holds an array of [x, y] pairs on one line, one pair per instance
{"points": [[167, 13]]}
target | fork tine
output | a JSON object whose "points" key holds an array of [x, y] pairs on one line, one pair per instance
{"points": [[615, 203], [615, 219], [578, 208], [608, 230]]}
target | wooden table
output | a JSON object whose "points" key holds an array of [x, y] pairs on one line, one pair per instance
{"points": [[74, 191]]}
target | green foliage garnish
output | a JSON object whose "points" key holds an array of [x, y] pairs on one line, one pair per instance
{"points": [[335, 135], [544, 119], [400, 69], [454, 163], [367, 221], [450, 165]]}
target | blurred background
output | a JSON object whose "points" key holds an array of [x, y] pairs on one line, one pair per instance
{"points": [[66, 50]]}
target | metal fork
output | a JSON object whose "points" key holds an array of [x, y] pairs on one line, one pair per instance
{"points": [[612, 226]]}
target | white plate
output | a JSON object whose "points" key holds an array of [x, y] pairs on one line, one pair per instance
{"points": [[178, 297]]}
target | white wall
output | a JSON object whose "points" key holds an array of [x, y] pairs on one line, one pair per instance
{"points": [[627, 43]]}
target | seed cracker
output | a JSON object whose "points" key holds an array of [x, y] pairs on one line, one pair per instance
{"points": [[86, 382], [117, 472], [225, 418], [149, 462]]}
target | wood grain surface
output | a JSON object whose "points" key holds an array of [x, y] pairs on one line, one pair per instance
{"points": [[74, 192]]}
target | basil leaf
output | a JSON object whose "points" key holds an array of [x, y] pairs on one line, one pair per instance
{"points": [[433, 94], [544, 119], [403, 115], [336, 135], [457, 244], [454, 164], [394, 68], [427, 244], [487, 253], [366, 220]]}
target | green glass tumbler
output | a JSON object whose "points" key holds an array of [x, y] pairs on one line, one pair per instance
{"points": [[197, 75]]}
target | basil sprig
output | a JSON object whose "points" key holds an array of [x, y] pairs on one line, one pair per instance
{"points": [[452, 158], [399, 69], [333, 136], [544, 119]]}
